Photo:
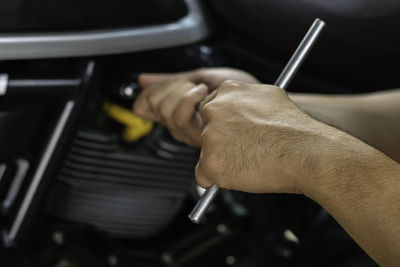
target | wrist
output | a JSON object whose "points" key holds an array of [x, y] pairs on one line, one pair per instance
{"points": [[349, 168]]}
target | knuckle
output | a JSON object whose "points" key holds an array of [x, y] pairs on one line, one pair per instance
{"points": [[178, 137], [202, 175], [164, 111], [187, 98], [200, 71], [209, 137], [180, 82], [202, 180], [228, 84], [209, 110], [152, 100], [194, 142], [180, 123]]}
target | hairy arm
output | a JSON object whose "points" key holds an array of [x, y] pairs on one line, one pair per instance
{"points": [[373, 117], [256, 140], [360, 187]]}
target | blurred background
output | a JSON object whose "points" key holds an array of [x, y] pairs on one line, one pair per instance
{"points": [[83, 182]]}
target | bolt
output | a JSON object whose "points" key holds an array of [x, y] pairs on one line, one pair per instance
{"points": [[129, 91], [222, 229], [58, 238], [167, 258], [205, 50], [230, 260], [290, 236], [112, 260]]}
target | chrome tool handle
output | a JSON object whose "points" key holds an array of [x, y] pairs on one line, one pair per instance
{"points": [[300, 54], [283, 82]]}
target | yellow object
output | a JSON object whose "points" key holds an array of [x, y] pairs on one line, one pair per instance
{"points": [[135, 127]]}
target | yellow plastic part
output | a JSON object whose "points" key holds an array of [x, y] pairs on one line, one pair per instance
{"points": [[135, 127]]}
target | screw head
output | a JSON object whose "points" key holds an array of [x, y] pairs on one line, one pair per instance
{"points": [[230, 260], [58, 238], [223, 229], [167, 258], [112, 260]]}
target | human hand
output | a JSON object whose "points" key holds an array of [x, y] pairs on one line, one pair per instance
{"points": [[171, 99], [256, 140]]}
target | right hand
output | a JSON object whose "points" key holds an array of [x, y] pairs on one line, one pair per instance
{"points": [[171, 99], [256, 140]]}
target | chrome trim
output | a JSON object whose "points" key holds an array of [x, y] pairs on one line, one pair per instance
{"points": [[38, 175], [189, 29], [3, 168], [19, 177], [3, 84]]}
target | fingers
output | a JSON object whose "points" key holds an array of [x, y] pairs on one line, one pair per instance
{"points": [[196, 76], [201, 178], [147, 79], [171, 99], [179, 114], [155, 89], [206, 110], [146, 104], [186, 118], [173, 103], [210, 168], [167, 108]]}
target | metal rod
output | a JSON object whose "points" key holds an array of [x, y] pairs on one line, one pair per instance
{"points": [[204, 202], [300, 54], [283, 81]]}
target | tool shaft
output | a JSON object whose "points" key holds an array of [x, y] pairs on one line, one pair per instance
{"points": [[283, 82], [300, 54]]}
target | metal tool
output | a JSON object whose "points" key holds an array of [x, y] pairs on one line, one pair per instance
{"points": [[283, 82]]}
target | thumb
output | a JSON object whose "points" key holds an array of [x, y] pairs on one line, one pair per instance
{"points": [[147, 79]]}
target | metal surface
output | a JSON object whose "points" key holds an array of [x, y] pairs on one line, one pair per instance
{"points": [[3, 84], [3, 168], [300, 54], [190, 29], [283, 81], [19, 177], [37, 177], [202, 205]]}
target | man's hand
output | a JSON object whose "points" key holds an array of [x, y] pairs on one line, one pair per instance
{"points": [[256, 140], [171, 99]]}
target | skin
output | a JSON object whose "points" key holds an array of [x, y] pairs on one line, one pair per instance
{"points": [[254, 138], [171, 99], [372, 117]]}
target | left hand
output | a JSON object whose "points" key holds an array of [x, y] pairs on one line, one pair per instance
{"points": [[173, 103], [171, 99]]}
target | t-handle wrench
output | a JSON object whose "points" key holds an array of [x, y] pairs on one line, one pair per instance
{"points": [[283, 82]]}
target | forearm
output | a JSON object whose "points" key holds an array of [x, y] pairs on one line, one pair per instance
{"points": [[374, 118], [360, 187]]}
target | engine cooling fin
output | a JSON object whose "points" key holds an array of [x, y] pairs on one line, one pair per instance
{"points": [[130, 193]]}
